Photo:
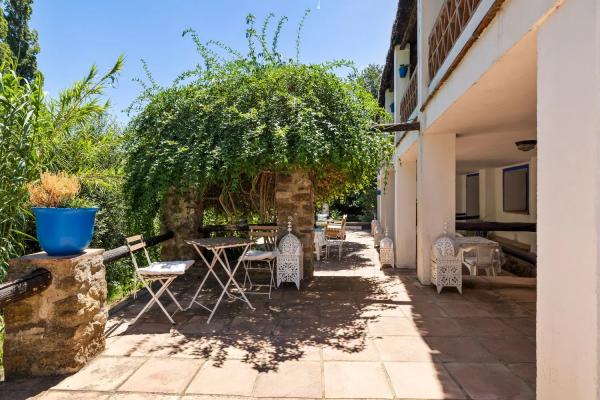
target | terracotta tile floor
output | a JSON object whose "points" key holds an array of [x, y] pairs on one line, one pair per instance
{"points": [[353, 332]]}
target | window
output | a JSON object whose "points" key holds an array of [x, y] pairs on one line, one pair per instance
{"points": [[472, 189], [515, 189]]}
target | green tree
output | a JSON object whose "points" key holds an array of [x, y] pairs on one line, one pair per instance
{"points": [[223, 129], [18, 37], [369, 78]]}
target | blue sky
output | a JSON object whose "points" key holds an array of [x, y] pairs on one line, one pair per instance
{"points": [[74, 34]]}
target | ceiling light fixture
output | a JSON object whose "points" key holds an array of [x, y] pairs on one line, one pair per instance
{"points": [[526, 145]]}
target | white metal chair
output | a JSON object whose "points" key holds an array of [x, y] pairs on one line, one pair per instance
{"points": [[481, 256], [164, 272], [335, 234], [265, 252]]}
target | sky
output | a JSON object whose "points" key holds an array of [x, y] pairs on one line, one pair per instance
{"points": [[74, 34]]}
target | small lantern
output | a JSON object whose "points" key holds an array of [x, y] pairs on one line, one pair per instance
{"points": [[374, 223], [386, 251], [378, 235], [289, 259]]}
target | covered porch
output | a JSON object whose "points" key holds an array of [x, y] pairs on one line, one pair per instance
{"points": [[355, 331]]}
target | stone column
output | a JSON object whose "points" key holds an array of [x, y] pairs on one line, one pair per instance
{"points": [[294, 197], [183, 214], [60, 329], [405, 236], [436, 198], [568, 213]]}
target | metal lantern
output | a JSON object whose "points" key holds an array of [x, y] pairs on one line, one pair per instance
{"points": [[386, 251], [289, 259], [378, 234], [374, 223], [446, 267]]}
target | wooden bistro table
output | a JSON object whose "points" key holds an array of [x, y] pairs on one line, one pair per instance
{"points": [[218, 246]]}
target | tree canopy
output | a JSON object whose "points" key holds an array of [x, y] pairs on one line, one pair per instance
{"points": [[226, 127], [18, 42]]}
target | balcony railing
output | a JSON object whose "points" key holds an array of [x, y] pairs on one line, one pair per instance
{"points": [[409, 100], [451, 21]]}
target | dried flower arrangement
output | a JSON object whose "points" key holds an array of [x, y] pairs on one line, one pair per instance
{"points": [[53, 190]]}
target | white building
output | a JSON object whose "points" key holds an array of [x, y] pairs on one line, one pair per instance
{"points": [[482, 76]]}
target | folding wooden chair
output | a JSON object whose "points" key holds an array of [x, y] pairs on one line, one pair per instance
{"points": [[265, 252], [164, 272]]}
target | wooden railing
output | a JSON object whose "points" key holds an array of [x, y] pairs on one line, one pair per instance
{"points": [[451, 21], [409, 100]]}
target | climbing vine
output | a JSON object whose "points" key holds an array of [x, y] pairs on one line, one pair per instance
{"points": [[225, 128]]}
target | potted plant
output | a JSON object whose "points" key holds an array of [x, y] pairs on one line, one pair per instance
{"points": [[64, 226], [403, 70]]}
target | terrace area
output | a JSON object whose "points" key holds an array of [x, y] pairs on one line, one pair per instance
{"points": [[354, 331]]}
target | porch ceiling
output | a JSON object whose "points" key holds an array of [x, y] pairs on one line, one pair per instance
{"points": [[499, 109]]}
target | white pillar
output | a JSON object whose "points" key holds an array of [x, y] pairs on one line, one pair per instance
{"points": [[405, 237], [568, 119], [436, 198], [388, 204]]}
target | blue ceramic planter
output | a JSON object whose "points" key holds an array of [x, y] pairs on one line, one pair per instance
{"points": [[403, 70], [64, 231]]}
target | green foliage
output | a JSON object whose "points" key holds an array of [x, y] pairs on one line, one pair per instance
{"points": [[369, 78], [234, 118], [34, 134], [17, 40]]}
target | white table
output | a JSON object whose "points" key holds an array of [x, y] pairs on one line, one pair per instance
{"points": [[467, 244], [218, 246]]}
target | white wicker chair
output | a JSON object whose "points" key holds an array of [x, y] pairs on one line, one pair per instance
{"points": [[446, 265]]}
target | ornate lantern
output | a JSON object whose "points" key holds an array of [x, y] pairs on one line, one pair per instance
{"points": [[289, 259], [446, 267], [386, 251]]}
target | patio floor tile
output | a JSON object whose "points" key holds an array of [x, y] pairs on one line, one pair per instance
{"points": [[403, 348], [422, 380], [162, 375], [103, 373], [356, 380], [62, 395], [143, 396], [354, 350], [233, 377], [525, 371], [392, 326], [458, 349], [510, 349], [301, 379], [490, 382], [463, 309], [486, 327]]}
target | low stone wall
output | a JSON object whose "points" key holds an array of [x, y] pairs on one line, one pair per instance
{"points": [[60, 329]]}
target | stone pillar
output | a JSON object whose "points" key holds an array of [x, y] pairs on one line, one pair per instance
{"points": [[388, 203], [405, 236], [294, 197], [436, 198], [568, 213], [183, 214], [60, 329]]}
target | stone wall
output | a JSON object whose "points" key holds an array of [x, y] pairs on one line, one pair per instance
{"points": [[294, 196], [58, 330], [183, 215]]}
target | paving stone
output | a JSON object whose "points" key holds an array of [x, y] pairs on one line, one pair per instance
{"points": [[356, 380], [525, 326], [422, 380], [525, 371], [301, 379], [458, 349], [62, 395], [143, 396], [162, 375], [486, 327], [103, 373], [403, 348], [510, 349], [463, 309], [490, 382], [392, 326], [233, 377], [353, 350]]}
